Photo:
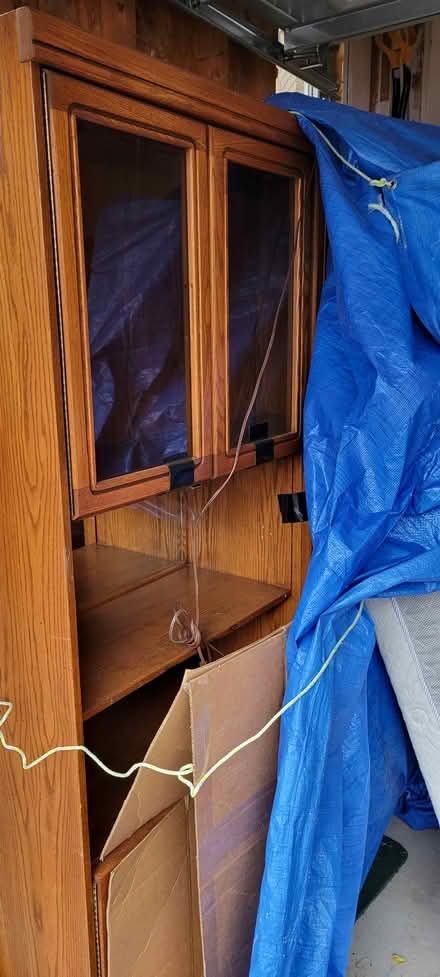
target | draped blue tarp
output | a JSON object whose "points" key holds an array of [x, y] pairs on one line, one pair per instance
{"points": [[372, 468], [137, 336]]}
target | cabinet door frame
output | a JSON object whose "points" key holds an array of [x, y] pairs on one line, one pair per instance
{"points": [[227, 146], [66, 100]]}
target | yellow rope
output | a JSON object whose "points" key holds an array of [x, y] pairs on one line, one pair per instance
{"points": [[187, 769], [380, 183]]}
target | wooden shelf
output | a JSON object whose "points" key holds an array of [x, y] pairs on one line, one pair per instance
{"points": [[124, 644], [120, 736], [105, 572]]}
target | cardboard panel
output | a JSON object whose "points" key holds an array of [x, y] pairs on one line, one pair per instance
{"points": [[230, 702], [101, 881], [151, 792], [197, 935], [156, 889], [149, 912]]}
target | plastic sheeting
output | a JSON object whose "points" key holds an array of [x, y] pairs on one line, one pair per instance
{"points": [[136, 316], [415, 805], [137, 337], [372, 467], [258, 260]]}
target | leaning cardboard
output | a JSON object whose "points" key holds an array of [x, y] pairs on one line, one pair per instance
{"points": [[177, 892]]}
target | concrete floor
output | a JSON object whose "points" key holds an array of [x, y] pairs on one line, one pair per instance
{"points": [[404, 921]]}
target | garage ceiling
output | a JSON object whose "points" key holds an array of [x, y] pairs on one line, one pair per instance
{"points": [[298, 32]]}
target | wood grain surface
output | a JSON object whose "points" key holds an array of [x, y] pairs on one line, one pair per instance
{"points": [[51, 42], [45, 891], [162, 31], [243, 534], [103, 573], [125, 643], [137, 528]]}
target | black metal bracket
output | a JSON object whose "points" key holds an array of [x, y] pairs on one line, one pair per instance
{"points": [[293, 507], [181, 472], [264, 451], [258, 431]]}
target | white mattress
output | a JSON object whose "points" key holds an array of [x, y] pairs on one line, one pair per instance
{"points": [[408, 635]]}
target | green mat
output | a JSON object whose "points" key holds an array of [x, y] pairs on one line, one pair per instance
{"points": [[389, 859]]}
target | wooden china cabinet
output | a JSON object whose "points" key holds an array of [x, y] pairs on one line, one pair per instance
{"points": [[147, 223]]}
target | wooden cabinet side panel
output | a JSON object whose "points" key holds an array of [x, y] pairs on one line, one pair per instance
{"points": [[45, 911]]}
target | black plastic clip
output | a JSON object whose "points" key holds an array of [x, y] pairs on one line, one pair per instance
{"points": [[293, 507], [258, 431], [264, 451], [181, 472]]}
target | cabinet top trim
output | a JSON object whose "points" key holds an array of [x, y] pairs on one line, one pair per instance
{"points": [[52, 42]]}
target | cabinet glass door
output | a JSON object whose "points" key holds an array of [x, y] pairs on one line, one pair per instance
{"points": [[259, 217], [134, 231], [128, 180], [258, 195]]}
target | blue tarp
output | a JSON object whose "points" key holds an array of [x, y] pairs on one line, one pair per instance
{"points": [[372, 467], [137, 337], [136, 313]]}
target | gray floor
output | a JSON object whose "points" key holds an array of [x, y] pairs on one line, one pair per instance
{"points": [[404, 920]]}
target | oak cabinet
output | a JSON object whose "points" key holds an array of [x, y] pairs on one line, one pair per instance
{"points": [[148, 220]]}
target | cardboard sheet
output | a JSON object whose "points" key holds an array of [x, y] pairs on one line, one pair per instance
{"points": [[151, 792], [149, 904], [228, 704], [197, 874]]}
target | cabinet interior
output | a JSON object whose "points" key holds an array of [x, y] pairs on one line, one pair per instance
{"points": [[126, 597], [120, 736]]}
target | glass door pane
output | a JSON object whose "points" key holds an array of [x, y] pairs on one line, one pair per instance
{"points": [[259, 215], [134, 228]]}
